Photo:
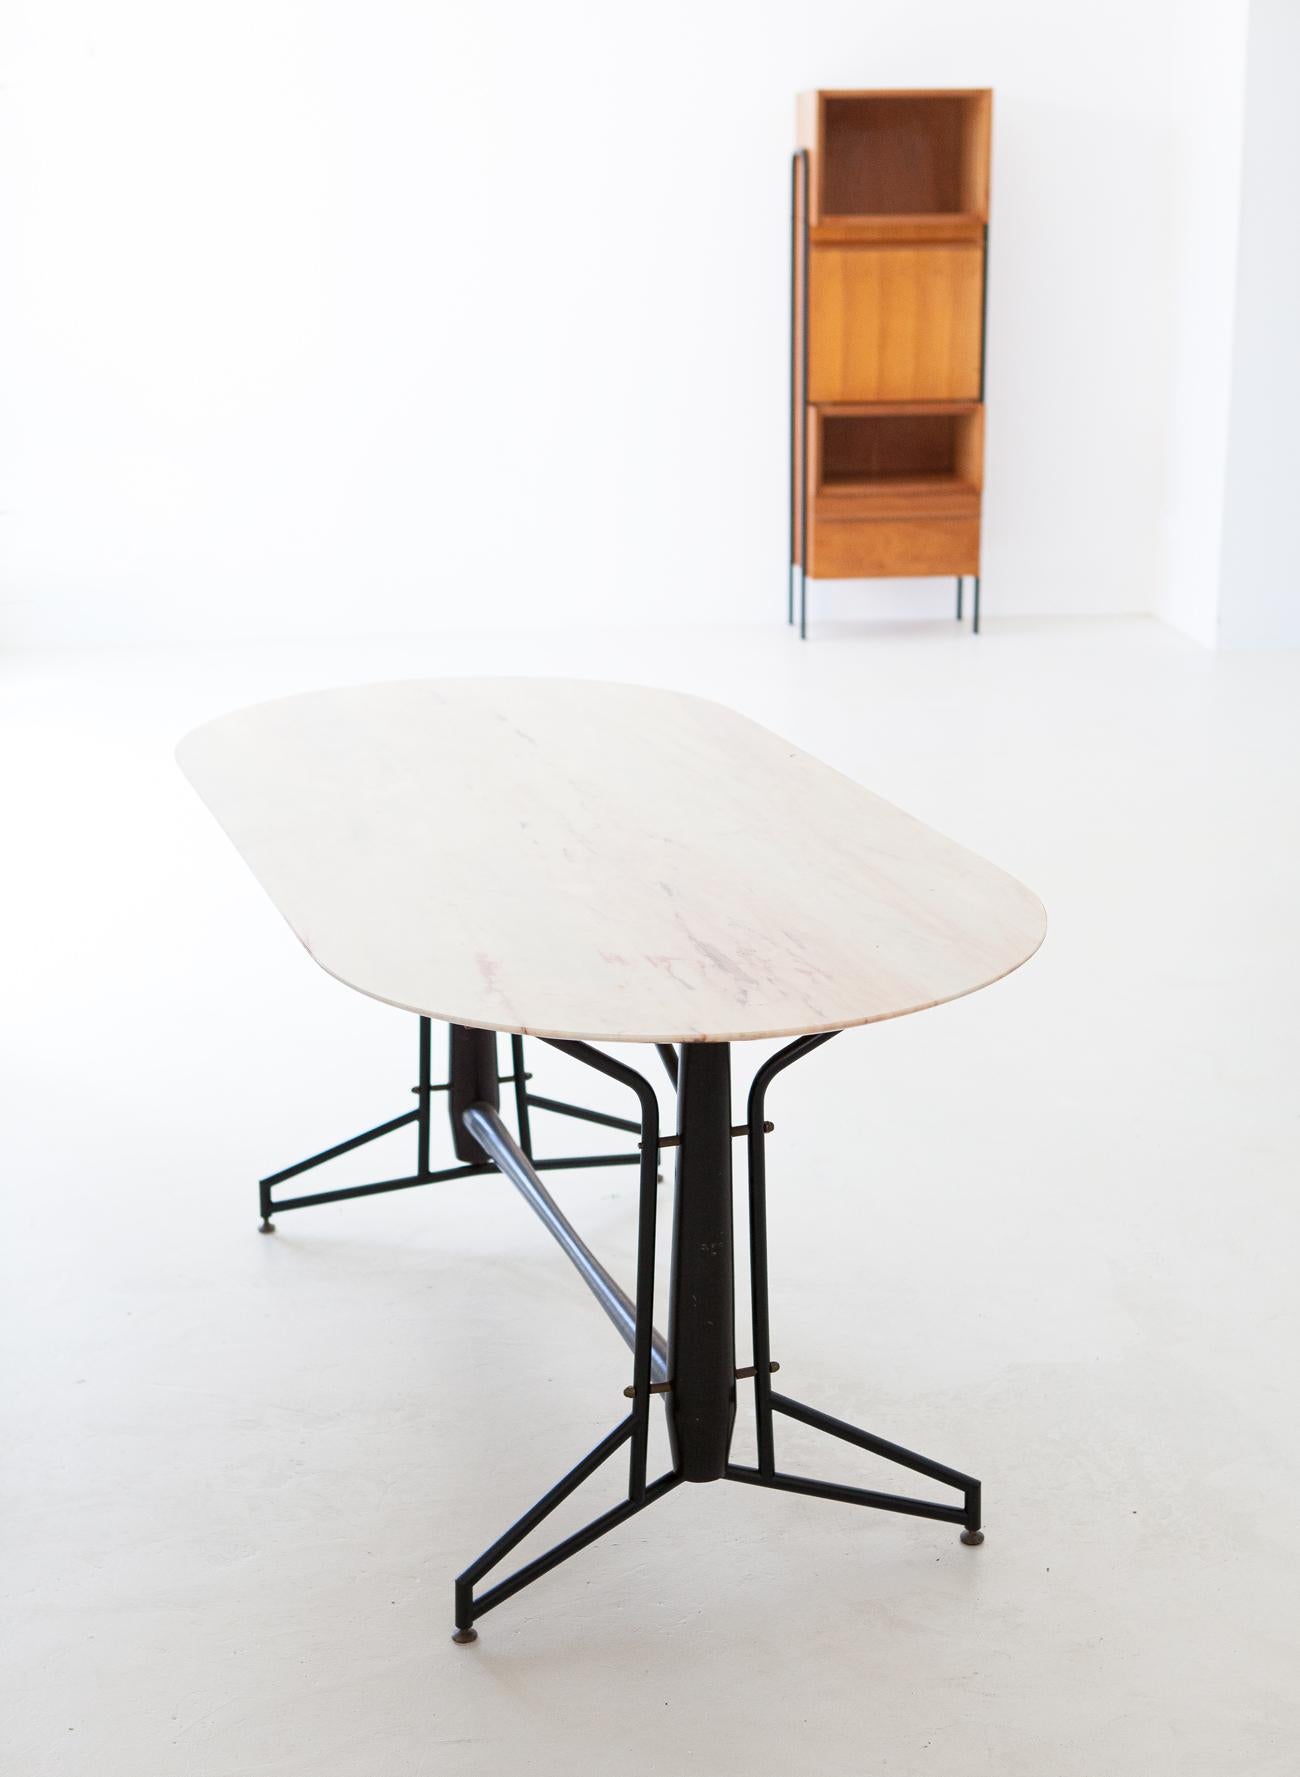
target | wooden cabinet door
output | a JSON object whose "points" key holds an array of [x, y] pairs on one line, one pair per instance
{"points": [[895, 323]]}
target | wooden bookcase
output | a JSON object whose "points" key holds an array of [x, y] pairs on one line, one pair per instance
{"points": [[889, 253]]}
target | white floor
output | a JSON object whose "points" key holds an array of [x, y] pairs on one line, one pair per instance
{"points": [[1047, 1234]]}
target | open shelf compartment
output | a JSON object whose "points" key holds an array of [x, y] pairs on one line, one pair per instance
{"points": [[903, 154], [911, 452]]}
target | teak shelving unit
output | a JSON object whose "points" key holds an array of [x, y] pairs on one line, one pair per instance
{"points": [[889, 258]]}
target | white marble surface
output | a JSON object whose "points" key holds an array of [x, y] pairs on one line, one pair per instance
{"points": [[575, 858]]}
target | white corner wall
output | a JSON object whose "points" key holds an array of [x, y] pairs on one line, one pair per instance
{"points": [[1208, 69], [1259, 601], [344, 320]]}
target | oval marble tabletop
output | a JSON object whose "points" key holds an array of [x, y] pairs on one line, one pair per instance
{"points": [[576, 859]]}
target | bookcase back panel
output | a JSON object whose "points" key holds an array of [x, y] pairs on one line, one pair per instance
{"points": [[905, 154], [862, 447]]}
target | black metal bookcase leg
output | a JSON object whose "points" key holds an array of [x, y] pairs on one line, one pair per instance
{"points": [[959, 592], [802, 163], [794, 379], [975, 608]]}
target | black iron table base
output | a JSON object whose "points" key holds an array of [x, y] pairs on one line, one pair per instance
{"points": [[694, 1368]]}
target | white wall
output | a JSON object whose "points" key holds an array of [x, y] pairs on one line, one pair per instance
{"points": [[1210, 71], [342, 319], [1260, 594]]}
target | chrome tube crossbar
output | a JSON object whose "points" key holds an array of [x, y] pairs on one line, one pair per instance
{"points": [[491, 1134]]}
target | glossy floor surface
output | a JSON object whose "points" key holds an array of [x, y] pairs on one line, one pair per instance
{"points": [[1046, 1233]]}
